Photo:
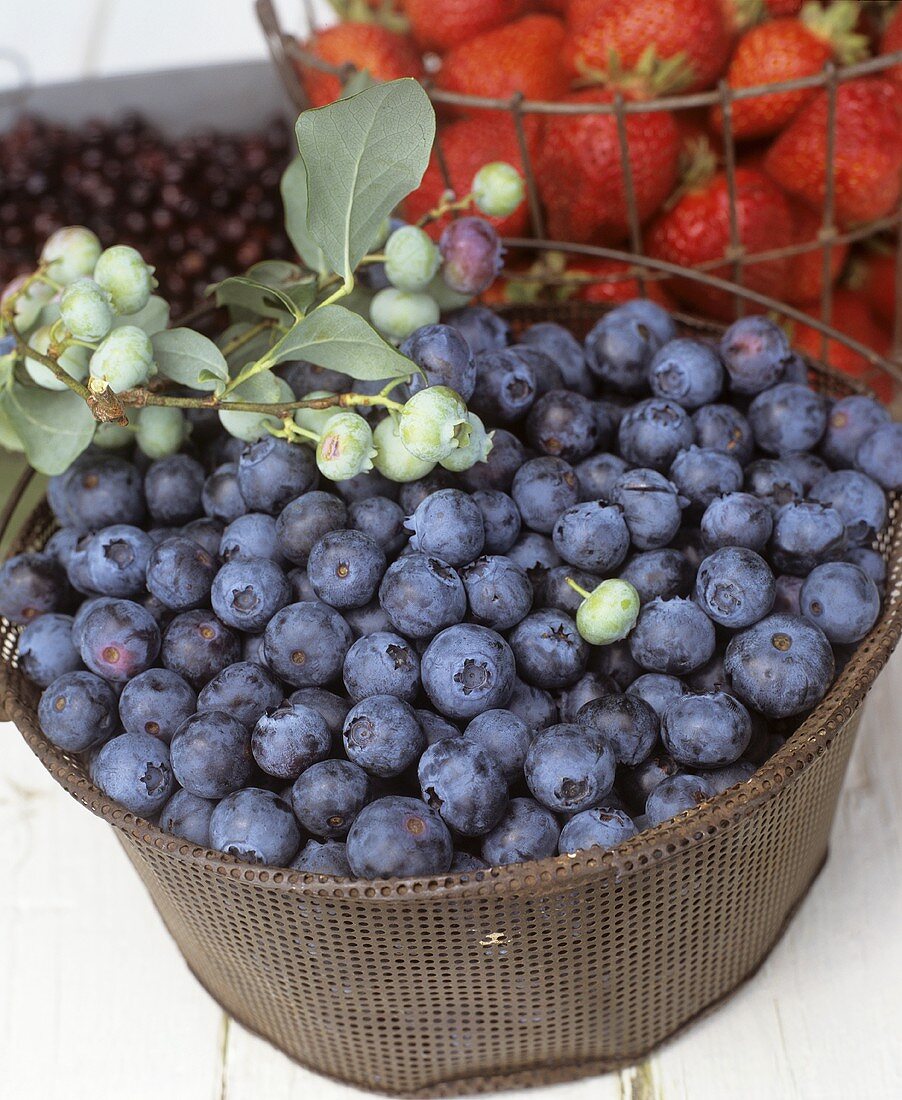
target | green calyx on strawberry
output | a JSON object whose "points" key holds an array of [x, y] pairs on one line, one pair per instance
{"points": [[836, 24], [651, 76], [383, 13]]}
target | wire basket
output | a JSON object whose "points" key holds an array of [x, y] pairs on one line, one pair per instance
{"points": [[291, 60], [529, 974]]}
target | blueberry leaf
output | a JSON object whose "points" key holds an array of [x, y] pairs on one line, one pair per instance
{"points": [[362, 156], [153, 318], [182, 355], [250, 350], [294, 198], [55, 426], [255, 297]]}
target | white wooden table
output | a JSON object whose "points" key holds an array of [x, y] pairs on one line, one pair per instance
{"points": [[95, 1001]]}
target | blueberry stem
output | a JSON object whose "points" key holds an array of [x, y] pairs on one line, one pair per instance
{"points": [[446, 206], [238, 342], [578, 589]]}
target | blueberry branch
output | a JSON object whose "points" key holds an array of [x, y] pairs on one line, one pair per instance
{"points": [[45, 360]]}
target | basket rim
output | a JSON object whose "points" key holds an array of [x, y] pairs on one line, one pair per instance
{"points": [[650, 847]]}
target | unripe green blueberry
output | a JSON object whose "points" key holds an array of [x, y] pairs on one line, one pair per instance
{"points": [[477, 448], [123, 360], [346, 448], [433, 423], [314, 420], [393, 460], [609, 612], [74, 361], [123, 274], [85, 310], [263, 388], [381, 234], [498, 189], [398, 313], [161, 430], [445, 298], [71, 252], [112, 436], [411, 258], [28, 304]]}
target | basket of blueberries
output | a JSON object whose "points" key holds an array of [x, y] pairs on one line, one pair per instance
{"points": [[477, 729]]}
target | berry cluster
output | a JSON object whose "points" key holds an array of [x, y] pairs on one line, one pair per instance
{"points": [[617, 606]]}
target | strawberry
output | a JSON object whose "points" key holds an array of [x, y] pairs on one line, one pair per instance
{"points": [[580, 175], [466, 145], [874, 274], [868, 161], [778, 8], [385, 54], [524, 56], [689, 37], [696, 229], [741, 14], [613, 281], [806, 269], [786, 49], [440, 25], [892, 42]]}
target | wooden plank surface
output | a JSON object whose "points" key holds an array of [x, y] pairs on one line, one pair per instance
{"points": [[96, 1003]]}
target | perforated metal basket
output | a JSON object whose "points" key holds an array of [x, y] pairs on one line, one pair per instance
{"points": [[523, 975]]}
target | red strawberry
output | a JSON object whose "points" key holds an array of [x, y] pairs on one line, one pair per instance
{"points": [[466, 146], [806, 269], [524, 56], [875, 276], [697, 230], [892, 42], [777, 8], [613, 281], [441, 25], [868, 162], [786, 49], [691, 37], [385, 54], [580, 175]]}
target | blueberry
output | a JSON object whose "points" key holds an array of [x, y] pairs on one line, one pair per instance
{"points": [[197, 646], [851, 420], [464, 784], [305, 520], [497, 472], [444, 357], [808, 468], [616, 662], [653, 432], [651, 314], [305, 644], [364, 486], [563, 424], [701, 475], [711, 676], [880, 456], [706, 731], [788, 417], [398, 836], [535, 554], [116, 560], [673, 636], [500, 520], [548, 374], [627, 723], [548, 649], [135, 770], [596, 828], [787, 593], [382, 664], [636, 784], [842, 600], [592, 535], [569, 768], [781, 666], [677, 794], [735, 587], [46, 649], [860, 501], [591, 686], [686, 371], [256, 826], [31, 585], [99, 490], [729, 776], [597, 473], [534, 705], [187, 816], [553, 590], [737, 519], [448, 525], [180, 574], [205, 532], [173, 487], [382, 735], [482, 328], [369, 619], [422, 595], [414, 493], [251, 536], [505, 737], [565, 350], [526, 831], [304, 378], [498, 591], [756, 353], [211, 754], [652, 508], [542, 489], [328, 795], [245, 690], [328, 858], [619, 350], [345, 568], [83, 612], [471, 254], [119, 640], [289, 738], [61, 545], [464, 862], [871, 561], [773, 481], [467, 669], [77, 711], [221, 497], [658, 573], [506, 387], [723, 428], [381, 519], [272, 472], [246, 594], [157, 702], [435, 727], [806, 534], [301, 588], [331, 707], [657, 689]]}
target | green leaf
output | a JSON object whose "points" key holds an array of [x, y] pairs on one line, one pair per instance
{"points": [[362, 156], [258, 298], [54, 426], [9, 437], [254, 349], [294, 198], [153, 318], [184, 355]]}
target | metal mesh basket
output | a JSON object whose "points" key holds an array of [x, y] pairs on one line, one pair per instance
{"points": [[523, 975], [291, 59]]}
